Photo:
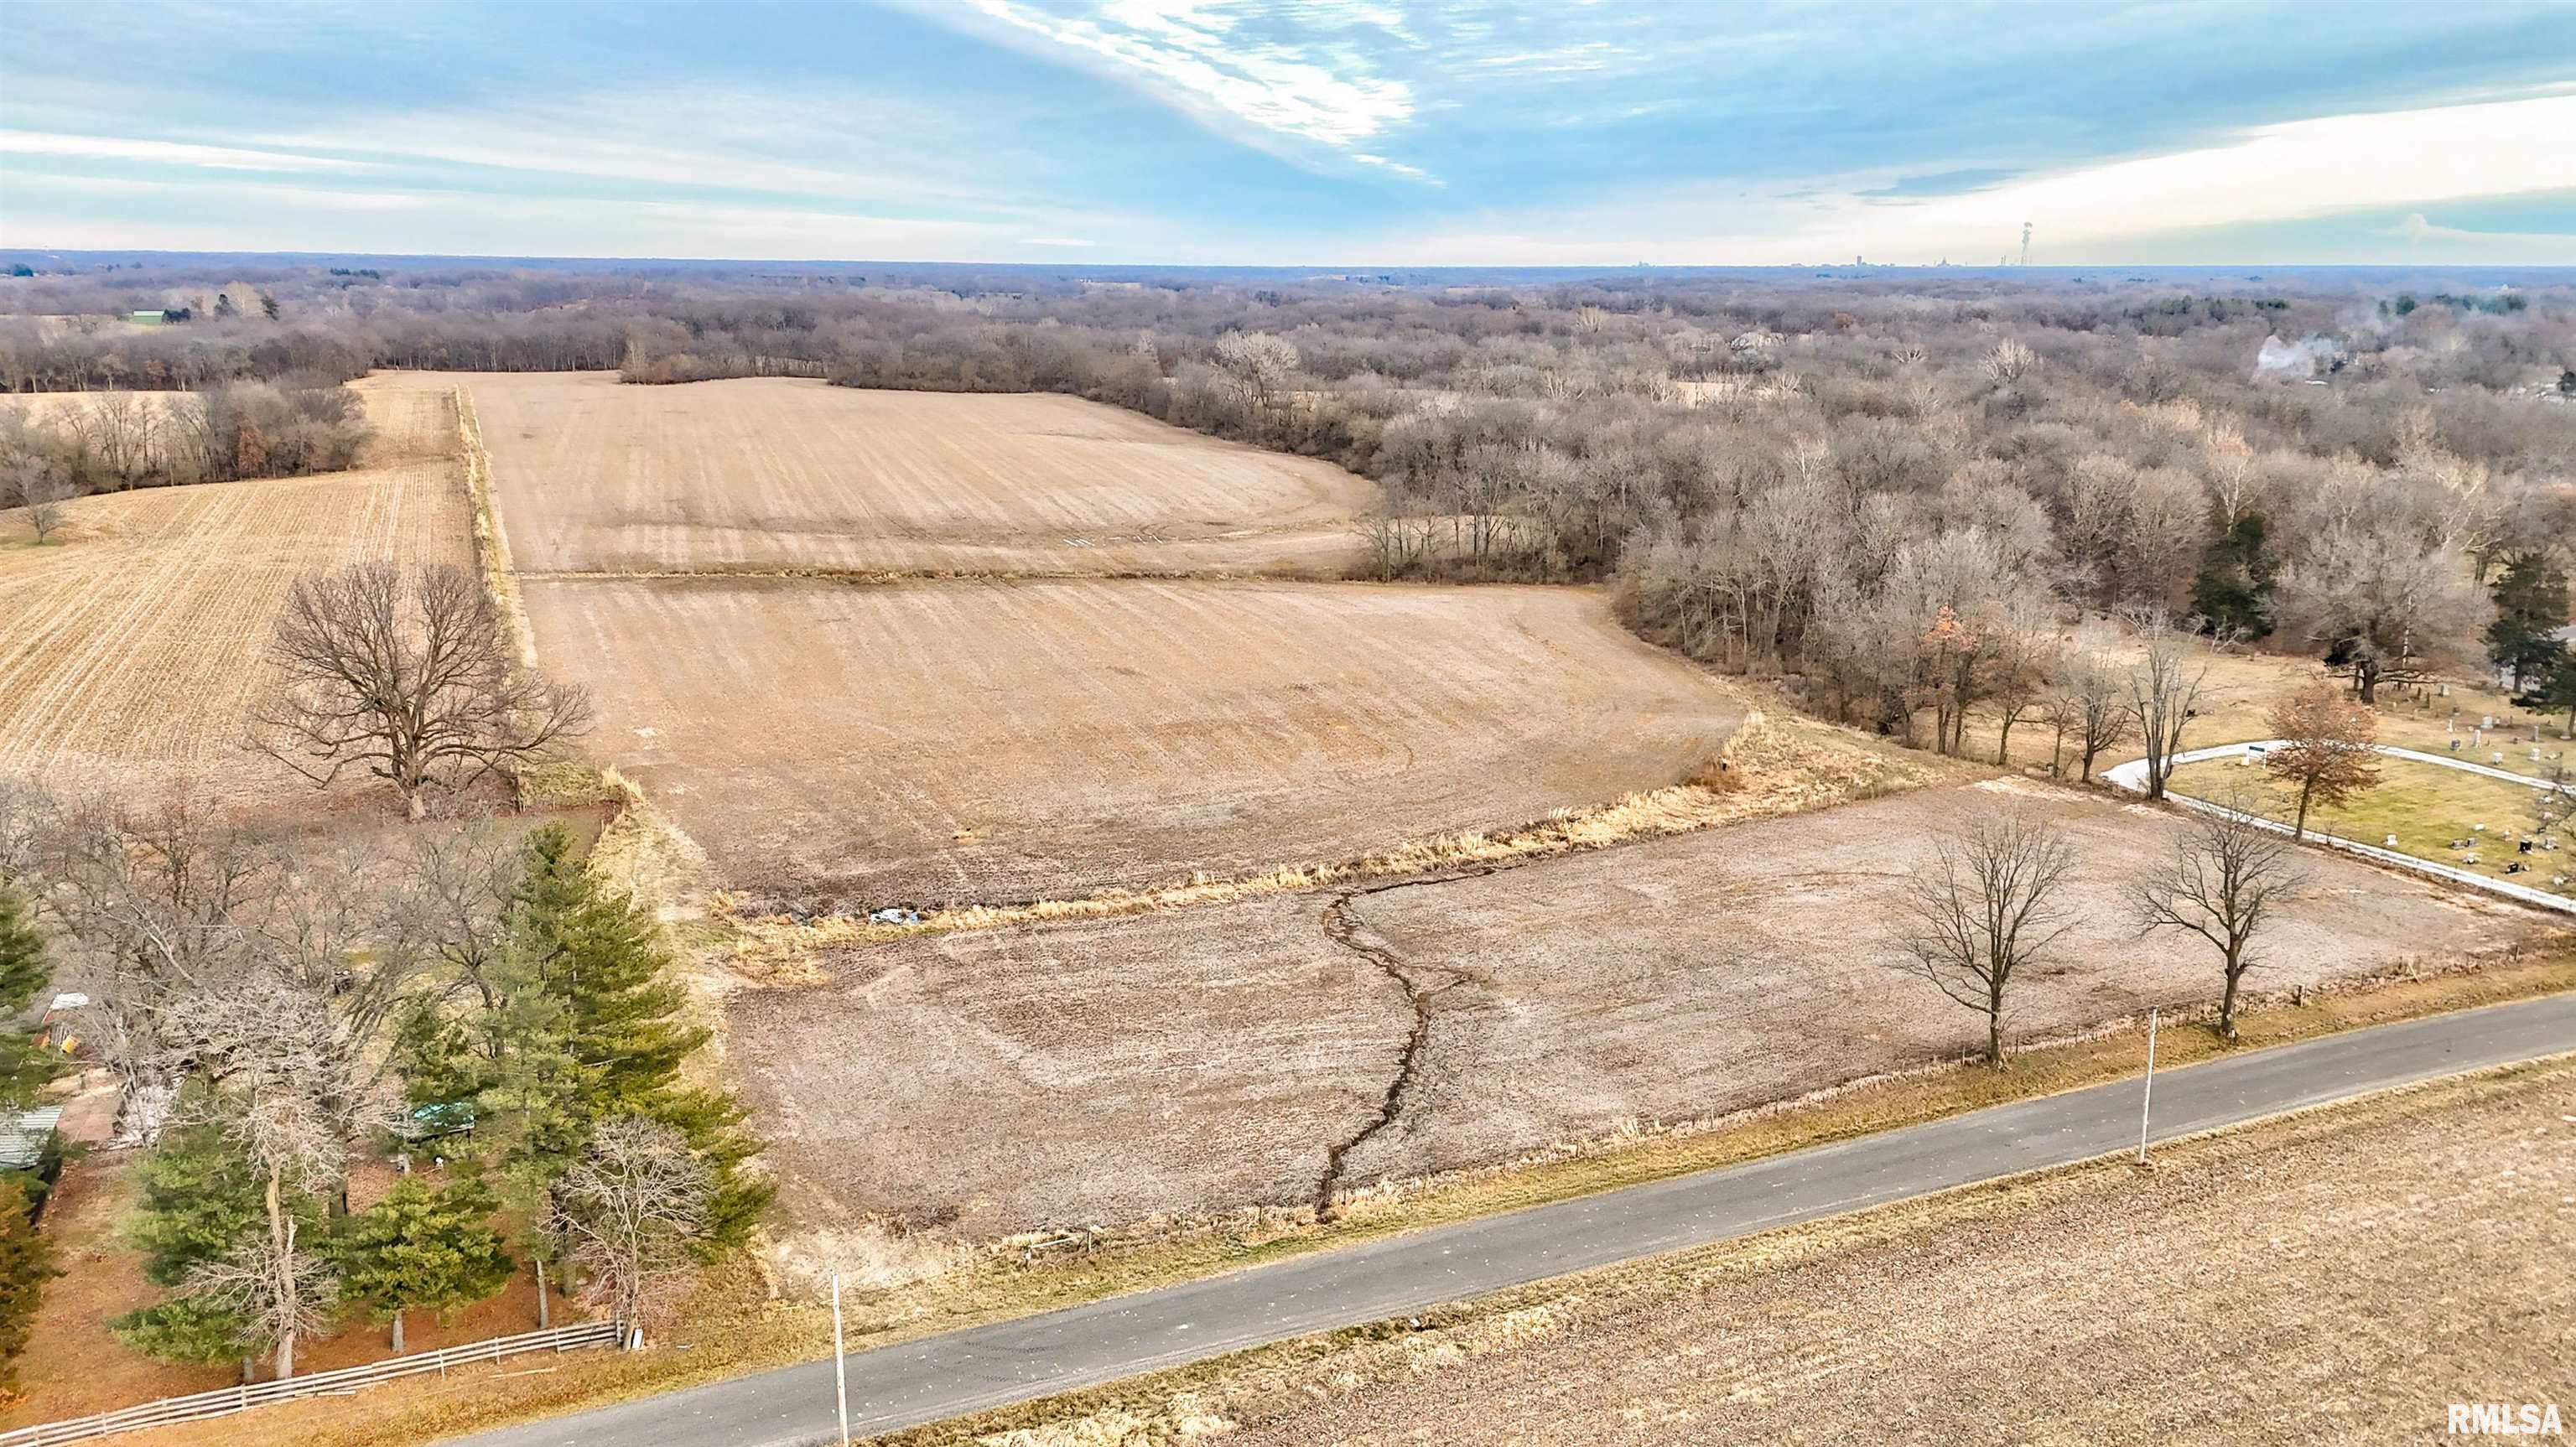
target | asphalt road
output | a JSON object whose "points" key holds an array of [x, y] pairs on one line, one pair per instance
{"points": [[989, 1366]]}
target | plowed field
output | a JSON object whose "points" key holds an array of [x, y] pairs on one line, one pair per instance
{"points": [[839, 745], [131, 652], [764, 474], [1110, 1070]]}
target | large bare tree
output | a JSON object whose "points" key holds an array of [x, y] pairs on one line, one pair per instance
{"points": [[2224, 881], [1987, 906], [409, 677]]}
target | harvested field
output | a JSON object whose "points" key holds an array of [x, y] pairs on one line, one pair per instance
{"points": [[131, 655], [838, 745], [2335, 1278], [770, 474], [1197, 1059]]}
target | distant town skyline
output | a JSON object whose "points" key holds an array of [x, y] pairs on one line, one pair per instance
{"points": [[1232, 132]]}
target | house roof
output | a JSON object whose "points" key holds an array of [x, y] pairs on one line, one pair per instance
{"points": [[23, 1134]]}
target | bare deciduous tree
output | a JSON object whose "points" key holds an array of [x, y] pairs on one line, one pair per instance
{"points": [[1986, 907], [2162, 688], [1258, 364], [2226, 876], [409, 678], [44, 497], [2090, 704], [2386, 606], [634, 1210]]}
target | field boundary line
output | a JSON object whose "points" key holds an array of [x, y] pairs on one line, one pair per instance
{"points": [[2132, 777], [769, 946], [491, 538]]}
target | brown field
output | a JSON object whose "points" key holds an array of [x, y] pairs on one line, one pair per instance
{"points": [[2339, 1277], [131, 656], [1167, 1063], [768, 474], [842, 745]]}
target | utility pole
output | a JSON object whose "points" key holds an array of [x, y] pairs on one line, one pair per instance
{"points": [[840, 1367], [2147, 1097]]}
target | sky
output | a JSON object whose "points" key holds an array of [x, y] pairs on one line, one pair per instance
{"points": [[1327, 133]]}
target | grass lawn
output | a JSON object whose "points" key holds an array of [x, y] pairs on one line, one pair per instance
{"points": [[2424, 805]]}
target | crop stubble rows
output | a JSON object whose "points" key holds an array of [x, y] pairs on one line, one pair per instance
{"points": [[771, 474], [132, 655]]}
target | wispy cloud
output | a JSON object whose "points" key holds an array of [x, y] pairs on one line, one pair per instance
{"points": [[1207, 55], [167, 153]]}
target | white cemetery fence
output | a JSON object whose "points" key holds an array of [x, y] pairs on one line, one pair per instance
{"points": [[2132, 776], [225, 1401]]}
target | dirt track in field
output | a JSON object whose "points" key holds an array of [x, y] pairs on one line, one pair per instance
{"points": [[1113, 1070], [132, 655], [2336, 1278], [846, 746], [772, 474]]}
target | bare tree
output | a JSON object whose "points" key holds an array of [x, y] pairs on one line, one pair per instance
{"points": [[634, 1210], [2009, 362], [2026, 655], [2327, 748], [1986, 907], [1258, 364], [408, 678], [151, 908], [2385, 606], [2224, 879], [45, 497], [276, 1285], [2162, 688], [2090, 704]]}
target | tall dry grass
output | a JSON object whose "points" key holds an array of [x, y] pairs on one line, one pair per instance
{"points": [[1774, 764]]}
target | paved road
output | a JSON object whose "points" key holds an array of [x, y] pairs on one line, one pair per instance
{"points": [[966, 1371]]}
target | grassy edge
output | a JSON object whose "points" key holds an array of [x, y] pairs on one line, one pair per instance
{"points": [[735, 1339], [1777, 762], [1171, 1403]]}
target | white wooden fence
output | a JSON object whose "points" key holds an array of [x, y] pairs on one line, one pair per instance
{"points": [[224, 1402]]}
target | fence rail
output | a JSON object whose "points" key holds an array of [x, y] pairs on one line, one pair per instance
{"points": [[226, 1401]]}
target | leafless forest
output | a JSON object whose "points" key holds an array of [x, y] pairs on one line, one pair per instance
{"points": [[1882, 484]]}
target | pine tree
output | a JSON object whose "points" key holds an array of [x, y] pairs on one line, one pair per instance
{"points": [[2531, 606], [422, 1249], [587, 1026], [2233, 589], [24, 1065], [200, 1200], [26, 1263]]}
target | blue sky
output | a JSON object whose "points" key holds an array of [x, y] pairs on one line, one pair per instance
{"points": [[1394, 132]]}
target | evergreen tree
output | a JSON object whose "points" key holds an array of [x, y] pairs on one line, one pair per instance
{"points": [[26, 1263], [24, 1065], [2233, 588], [586, 1024], [422, 1249], [201, 1199], [2531, 605], [2558, 691]]}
